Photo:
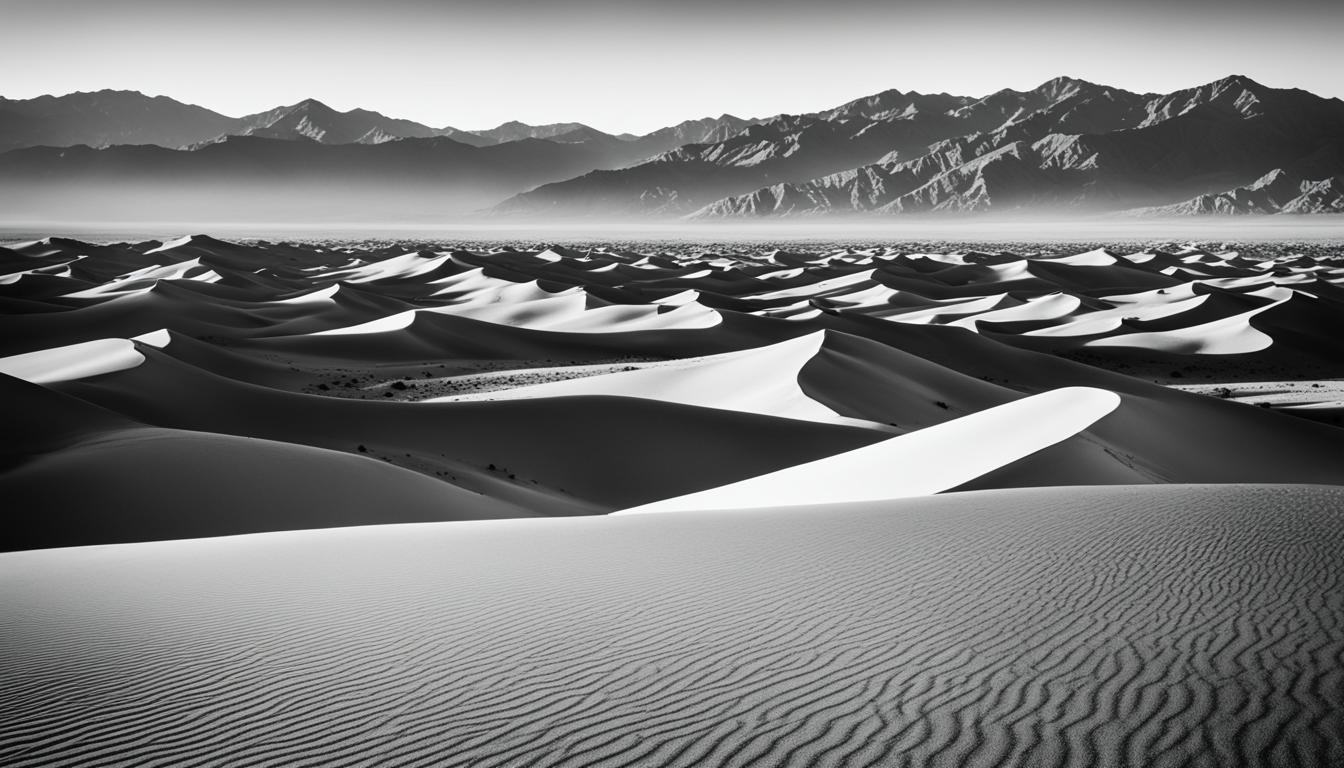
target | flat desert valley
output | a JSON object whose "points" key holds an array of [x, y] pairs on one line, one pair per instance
{"points": [[415, 502]]}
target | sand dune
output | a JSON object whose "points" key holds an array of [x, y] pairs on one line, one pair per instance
{"points": [[1228, 336], [568, 311], [763, 381], [1157, 435], [82, 475], [1053, 627], [566, 381], [565, 454], [921, 463], [76, 361]]}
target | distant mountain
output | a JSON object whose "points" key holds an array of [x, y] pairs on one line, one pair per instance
{"points": [[103, 118], [514, 130], [1065, 145], [109, 118], [466, 137], [311, 119], [649, 144], [254, 178], [1276, 192], [115, 154], [782, 149], [703, 131]]}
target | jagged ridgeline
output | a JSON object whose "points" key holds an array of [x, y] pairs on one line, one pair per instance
{"points": [[1066, 147]]}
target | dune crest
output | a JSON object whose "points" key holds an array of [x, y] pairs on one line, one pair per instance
{"points": [[705, 366], [920, 463], [761, 380], [74, 361]]}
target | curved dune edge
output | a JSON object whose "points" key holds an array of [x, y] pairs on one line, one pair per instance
{"points": [[75, 361], [255, 486], [762, 380], [160, 338], [921, 463], [1232, 335], [561, 314], [528, 305]]}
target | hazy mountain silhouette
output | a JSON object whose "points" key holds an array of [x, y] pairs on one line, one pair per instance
{"points": [[311, 119], [102, 118], [113, 154], [514, 130], [107, 118], [650, 144], [1230, 146], [255, 178]]}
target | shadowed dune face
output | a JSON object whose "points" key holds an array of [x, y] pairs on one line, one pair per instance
{"points": [[1059, 627], [554, 381], [85, 475]]}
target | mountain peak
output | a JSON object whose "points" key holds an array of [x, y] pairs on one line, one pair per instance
{"points": [[1237, 81], [1064, 87], [110, 92], [312, 104], [1237, 87], [514, 130]]}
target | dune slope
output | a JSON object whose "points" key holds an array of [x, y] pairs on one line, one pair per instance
{"points": [[583, 380], [76, 474], [921, 463], [1157, 626], [566, 455]]}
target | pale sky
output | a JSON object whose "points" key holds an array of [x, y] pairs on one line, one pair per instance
{"points": [[637, 65]]}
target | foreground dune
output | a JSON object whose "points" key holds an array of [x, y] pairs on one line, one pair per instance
{"points": [[1154, 626]]}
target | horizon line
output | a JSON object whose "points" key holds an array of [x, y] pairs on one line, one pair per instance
{"points": [[325, 103]]}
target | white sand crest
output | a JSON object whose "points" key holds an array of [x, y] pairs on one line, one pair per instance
{"points": [[920, 463], [75, 361]]}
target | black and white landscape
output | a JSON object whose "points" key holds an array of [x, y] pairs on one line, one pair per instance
{"points": [[918, 429], [1067, 148]]}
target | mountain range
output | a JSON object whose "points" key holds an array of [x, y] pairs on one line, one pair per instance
{"points": [[1067, 145], [115, 155], [1233, 146], [107, 118]]}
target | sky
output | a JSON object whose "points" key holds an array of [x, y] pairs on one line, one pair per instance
{"points": [[637, 65]]}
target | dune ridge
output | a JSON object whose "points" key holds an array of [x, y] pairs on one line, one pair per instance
{"points": [[578, 381], [348, 503], [920, 463], [74, 361], [763, 380], [83, 475]]}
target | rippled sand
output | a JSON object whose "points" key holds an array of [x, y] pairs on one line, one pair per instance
{"points": [[1154, 626]]}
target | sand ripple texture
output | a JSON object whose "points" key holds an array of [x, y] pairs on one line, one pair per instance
{"points": [[1135, 626]]}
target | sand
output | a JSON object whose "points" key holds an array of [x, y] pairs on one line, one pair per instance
{"points": [[1176, 625], [74, 361], [350, 503], [921, 463], [546, 381], [762, 381], [78, 474]]}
